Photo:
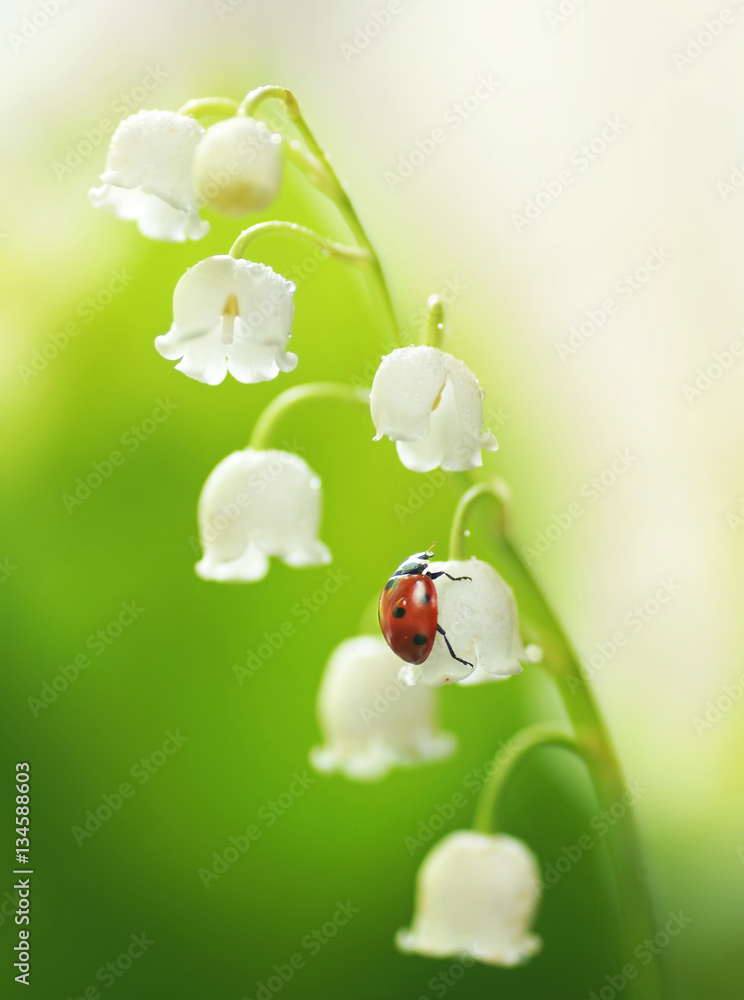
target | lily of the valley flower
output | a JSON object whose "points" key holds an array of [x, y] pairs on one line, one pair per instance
{"points": [[148, 175], [432, 405], [370, 720], [480, 618], [238, 166], [476, 894], [257, 504], [230, 315]]}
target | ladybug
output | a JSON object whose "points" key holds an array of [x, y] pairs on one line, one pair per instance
{"points": [[408, 610]]}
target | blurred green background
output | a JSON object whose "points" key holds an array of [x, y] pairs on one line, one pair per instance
{"points": [[171, 670]]}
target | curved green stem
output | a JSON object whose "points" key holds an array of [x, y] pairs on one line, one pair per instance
{"points": [[285, 401], [333, 188], [458, 533], [486, 812], [636, 907], [434, 322], [352, 255], [308, 165], [210, 107]]}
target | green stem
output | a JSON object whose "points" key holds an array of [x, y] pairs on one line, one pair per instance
{"points": [[210, 107], [308, 165], [636, 907], [285, 401], [486, 812], [352, 255], [334, 188], [434, 322], [459, 532]]}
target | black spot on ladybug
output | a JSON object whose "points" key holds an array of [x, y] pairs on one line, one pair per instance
{"points": [[426, 598], [419, 640], [398, 612], [389, 584]]}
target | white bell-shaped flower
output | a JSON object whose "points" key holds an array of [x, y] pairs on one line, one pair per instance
{"points": [[257, 504], [476, 893], [480, 619], [238, 166], [370, 719], [230, 315], [432, 405], [148, 175]]}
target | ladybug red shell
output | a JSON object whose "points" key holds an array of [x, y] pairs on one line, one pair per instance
{"points": [[408, 611], [408, 616]]}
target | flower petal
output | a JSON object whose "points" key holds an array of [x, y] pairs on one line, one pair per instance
{"points": [[153, 150], [404, 392], [432, 406], [155, 218], [257, 504], [482, 625], [238, 166], [371, 721], [476, 893], [230, 315]]}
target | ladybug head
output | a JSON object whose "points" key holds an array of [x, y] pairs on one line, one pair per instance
{"points": [[415, 564]]}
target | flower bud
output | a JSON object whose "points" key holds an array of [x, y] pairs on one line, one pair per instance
{"points": [[257, 504], [431, 405], [476, 894], [371, 720], [238, 166]]}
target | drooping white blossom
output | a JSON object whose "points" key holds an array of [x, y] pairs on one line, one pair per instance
{"points": [[476, 894], [257, 504], [230, 315], [372, 721], [482, 625], [148, 175], [432, 405], [238, 166]]}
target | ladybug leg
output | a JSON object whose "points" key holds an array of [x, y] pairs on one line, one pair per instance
{"points": [[441, 572], [452, 652]]}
